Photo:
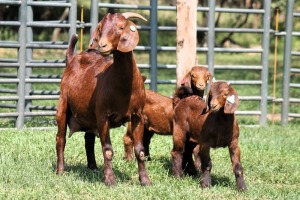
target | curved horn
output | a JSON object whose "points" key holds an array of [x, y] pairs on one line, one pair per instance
{"points": [[131, 14]]}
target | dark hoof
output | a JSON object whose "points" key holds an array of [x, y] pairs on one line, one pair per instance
{"points": [[109, 179], [145, 181], [205, 182], [241, 185], [93, 167]]}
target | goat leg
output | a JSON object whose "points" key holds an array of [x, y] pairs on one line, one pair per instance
{"points": [[90, 150], [61, 118], [128, 143], [205, 180], [146, 141], [197, 161], [237, 167], [137, 123], [179, 138], [188, 162], [107, 150]]}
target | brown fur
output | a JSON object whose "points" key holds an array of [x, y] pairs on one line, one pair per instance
{"points": [[99, 92], [216, 128], [158, 110]]}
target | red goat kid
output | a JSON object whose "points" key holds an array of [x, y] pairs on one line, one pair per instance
{"points": [[99, 92], [158, 110], [216, 128]]}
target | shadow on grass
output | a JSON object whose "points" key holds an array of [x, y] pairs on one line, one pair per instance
{"points": [[216, 180], [83, 173], [221, 180]]}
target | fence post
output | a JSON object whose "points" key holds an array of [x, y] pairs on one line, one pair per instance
{"points": [[94, 14], [287, 62], [22, 67], [211, 36], [29, 39], [186, 37], [153, 41], [265, 62], [73, 18]]}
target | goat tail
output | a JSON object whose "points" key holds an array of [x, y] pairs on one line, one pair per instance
{"points": [[71, 48]]}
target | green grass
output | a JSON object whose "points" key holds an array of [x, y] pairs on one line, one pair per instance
{"points": [[270, 158]]}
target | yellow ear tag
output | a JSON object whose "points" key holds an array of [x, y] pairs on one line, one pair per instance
{"points": [[132, 28]]}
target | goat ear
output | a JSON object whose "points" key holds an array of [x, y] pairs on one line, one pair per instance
{"points": [[186, 81], [144, 78], [94, 39], [129, 38], [232, 102], [209, 77], [208, 99]]}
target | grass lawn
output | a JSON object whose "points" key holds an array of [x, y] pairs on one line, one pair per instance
{"points": [[270, 157]]}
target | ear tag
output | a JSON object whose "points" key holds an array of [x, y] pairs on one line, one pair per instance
{"points": [[231, 99], [132, 28], [213, 80]]}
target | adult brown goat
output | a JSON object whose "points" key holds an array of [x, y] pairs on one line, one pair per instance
{"points": [[99, 92], [158, 110], [216, 128]]}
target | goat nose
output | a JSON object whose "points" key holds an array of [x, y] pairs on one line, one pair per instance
{"points": [[102, 45]]}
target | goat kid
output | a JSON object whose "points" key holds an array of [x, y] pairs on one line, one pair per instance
{"points": [[99, 92], [216, 128], [158, 110]]}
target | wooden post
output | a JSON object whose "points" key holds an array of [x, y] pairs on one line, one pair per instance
{"points": [[186, 37]]}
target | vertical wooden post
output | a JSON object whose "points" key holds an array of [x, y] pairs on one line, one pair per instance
{"points": [[186, 37]]}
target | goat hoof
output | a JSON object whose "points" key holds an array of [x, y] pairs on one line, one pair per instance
{"points": [[205, 185], [145, 181], [110, 180], [59, 171], [205, 182], [241, 185], [92, 167]]}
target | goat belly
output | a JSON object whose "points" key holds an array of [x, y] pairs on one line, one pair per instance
{"points": [[117, 120]]}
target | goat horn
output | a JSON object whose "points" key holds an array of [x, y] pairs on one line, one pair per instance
{"points": [[131, 14]]}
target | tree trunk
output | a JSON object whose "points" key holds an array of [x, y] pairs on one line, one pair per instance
{"points": [[186, 37]]}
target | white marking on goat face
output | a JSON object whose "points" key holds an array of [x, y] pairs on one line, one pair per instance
{"points": [[231, 99]]}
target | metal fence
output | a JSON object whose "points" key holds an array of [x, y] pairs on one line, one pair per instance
{"points": [[24, 63], [290, 98]]}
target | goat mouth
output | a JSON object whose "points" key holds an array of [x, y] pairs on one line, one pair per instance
{"points": [[200, 88], [214, 108], [105, 53]]}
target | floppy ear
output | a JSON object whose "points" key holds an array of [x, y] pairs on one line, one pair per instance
{"points": [[144, 78], [129, 38], [208, 99], [232, 102], [94, 38], [186, 81], [209, 77]]}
